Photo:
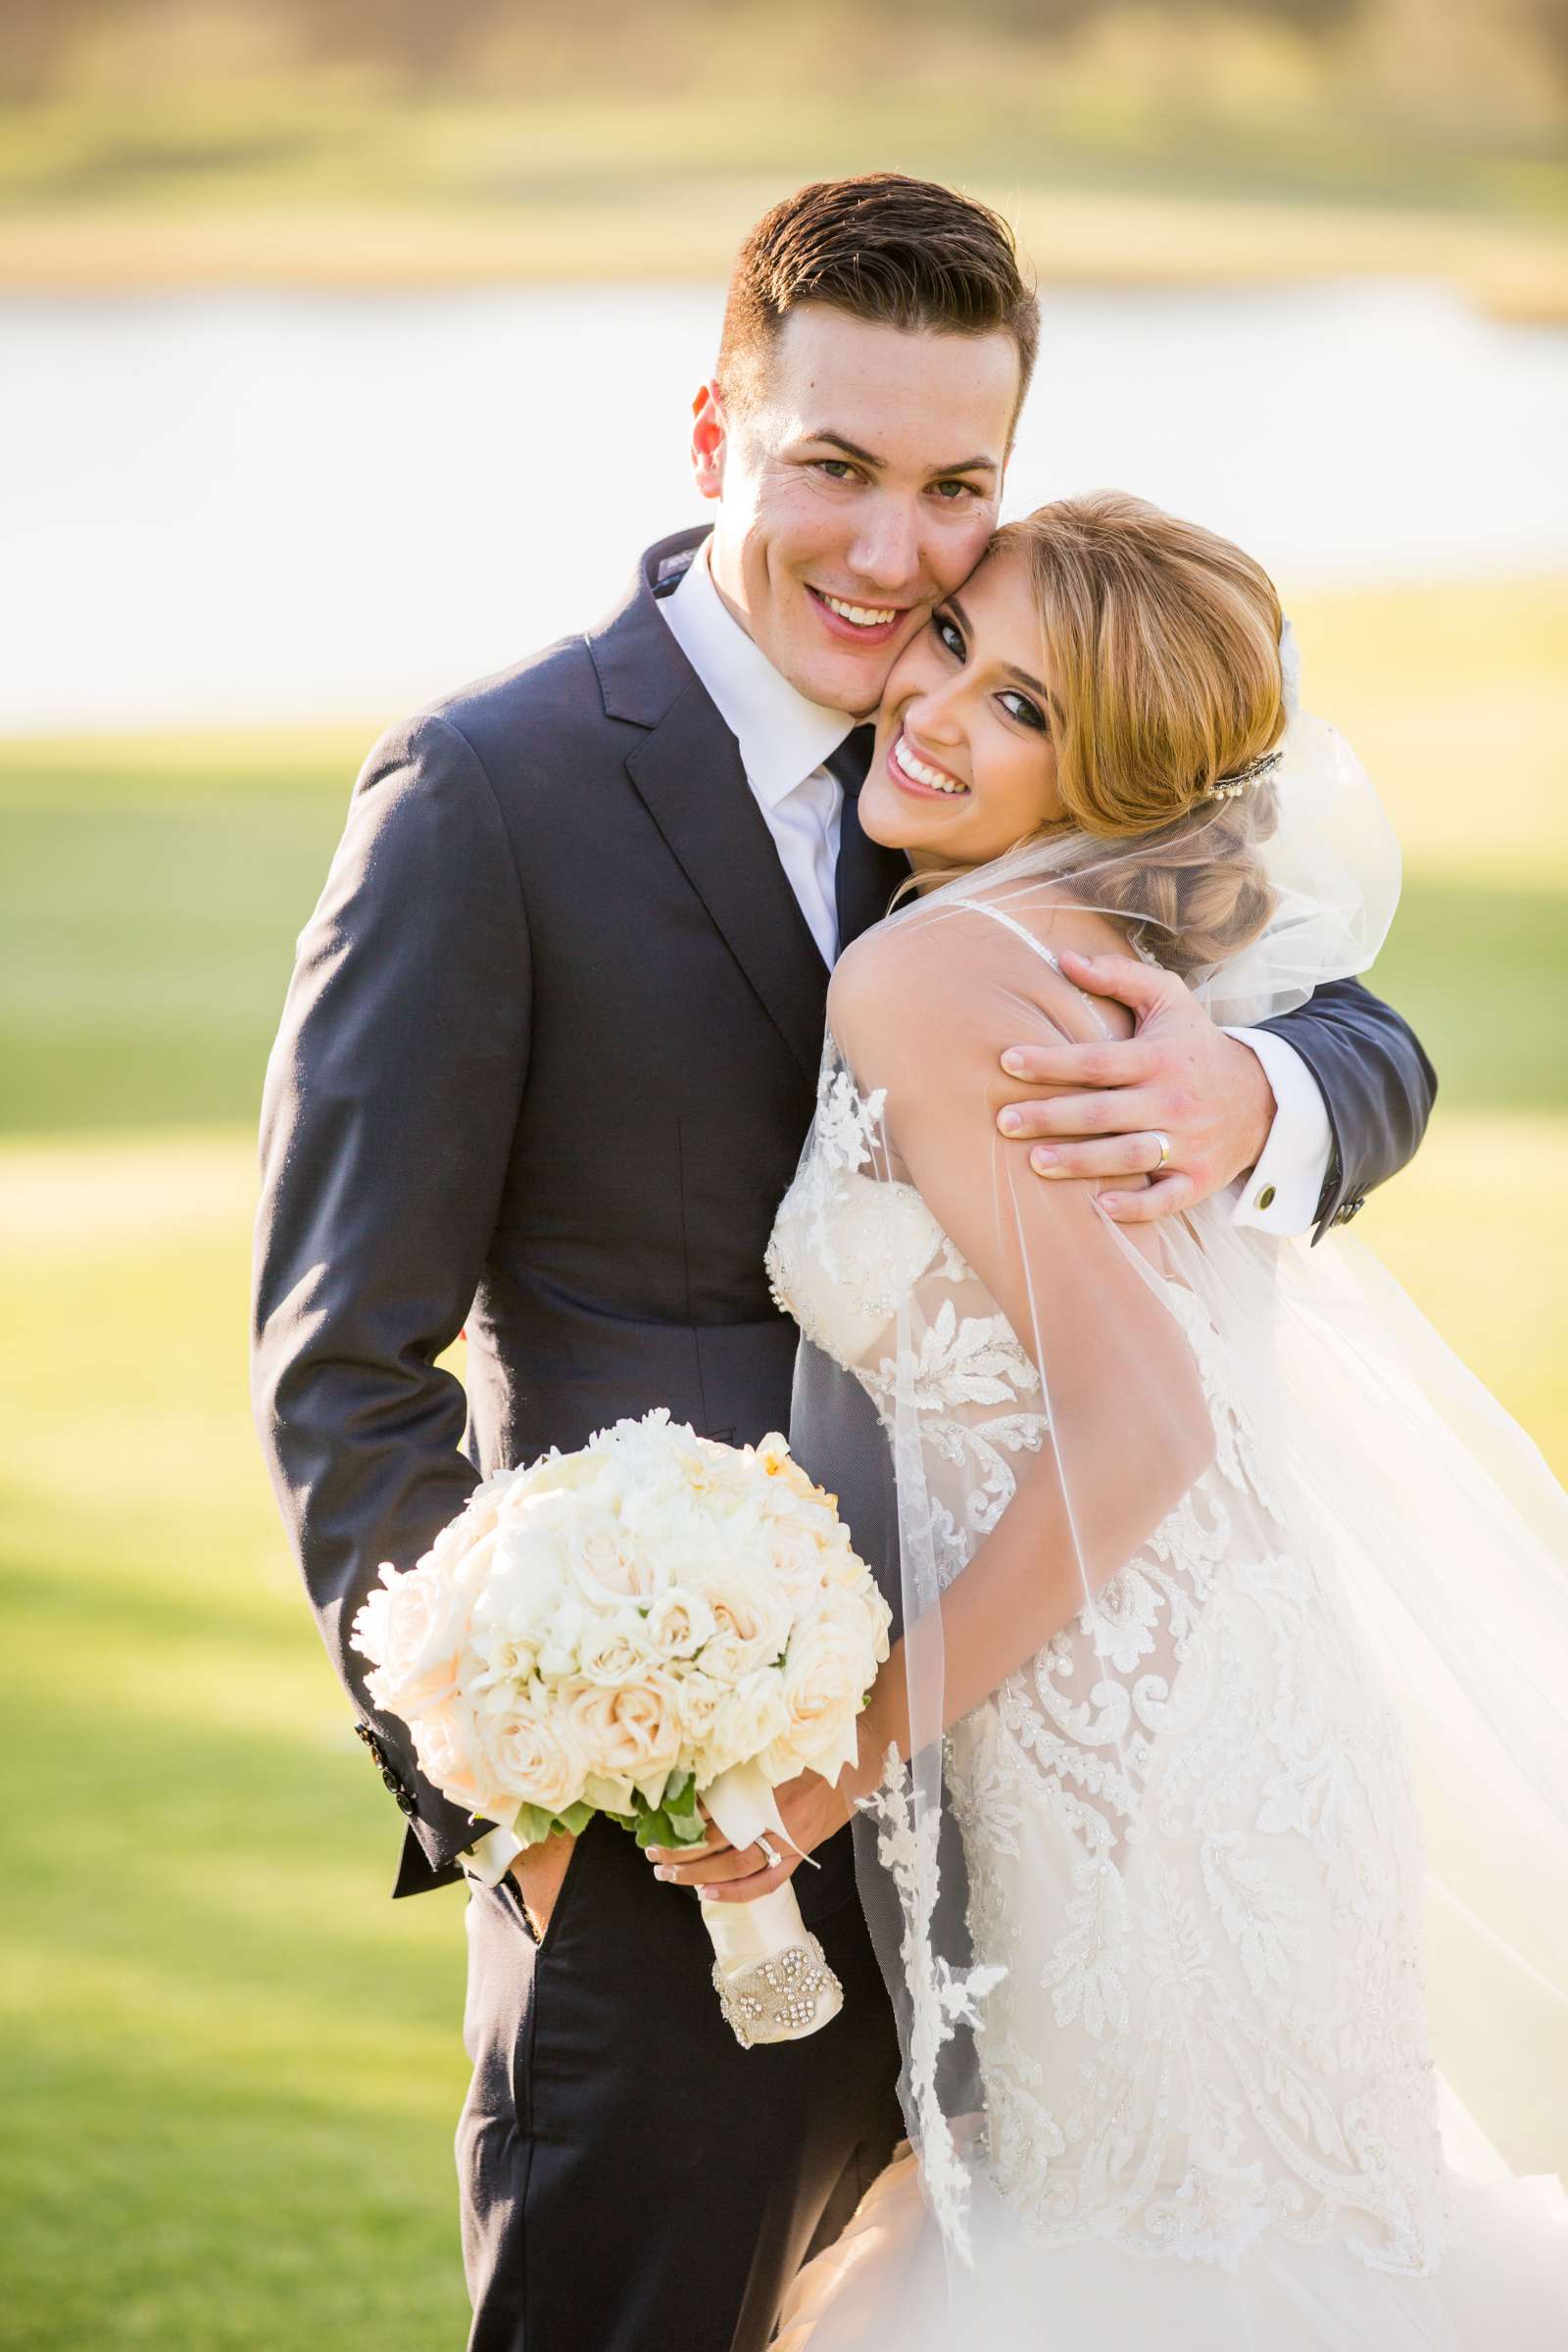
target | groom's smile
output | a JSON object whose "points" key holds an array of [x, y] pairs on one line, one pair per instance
{"points": [[857, 467], [855, 622]]}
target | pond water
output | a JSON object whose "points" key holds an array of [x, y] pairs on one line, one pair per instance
{"points": [[266, 507]]}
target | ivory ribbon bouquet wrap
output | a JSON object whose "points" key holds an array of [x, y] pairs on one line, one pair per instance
{"points": [[654, 1620]]}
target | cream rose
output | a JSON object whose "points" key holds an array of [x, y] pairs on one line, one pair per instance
{"points": [[610, 1562], [828, 1671], [560, 1651], [532, 1757], [696, 1697], [477, 1520], [797, 1563], [856, 1604], [412, 1629], [444, 1743], [751, 1622], [748, 1719], [630, 1733], [842, 1566], [613, 1649], [498, 1663], [526, 1584], [559, 1474], [677, 1625]]}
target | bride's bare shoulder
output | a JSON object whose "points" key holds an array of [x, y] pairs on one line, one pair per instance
{"points": [[967, 966]]}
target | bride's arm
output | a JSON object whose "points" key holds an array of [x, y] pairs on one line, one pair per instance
{"points": [[924, 1014]]}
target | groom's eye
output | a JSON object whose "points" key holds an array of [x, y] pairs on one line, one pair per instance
{"points": [[837, 469], [952, 491]]}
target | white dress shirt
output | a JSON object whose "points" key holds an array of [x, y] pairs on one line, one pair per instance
{"points": [[784, 741]]}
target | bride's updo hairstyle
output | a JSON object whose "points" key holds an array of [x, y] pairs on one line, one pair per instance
{"points": [[1164, 645]]}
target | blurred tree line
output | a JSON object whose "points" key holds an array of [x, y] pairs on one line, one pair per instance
{"points": [[1502, 57], [1457, 104]]}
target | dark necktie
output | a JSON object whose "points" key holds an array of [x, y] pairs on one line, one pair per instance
{"points": [[867, 874]]}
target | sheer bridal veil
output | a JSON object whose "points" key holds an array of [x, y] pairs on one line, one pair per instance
{"points": [[1042, 1489]]}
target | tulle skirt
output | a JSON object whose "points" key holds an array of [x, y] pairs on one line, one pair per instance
{"points": [[1501, 2286]]}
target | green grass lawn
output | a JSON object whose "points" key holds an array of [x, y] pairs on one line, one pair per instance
{"points": [[234, 2067]]}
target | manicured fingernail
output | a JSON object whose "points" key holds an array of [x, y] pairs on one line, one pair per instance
{"points": [[1012, 1062], [1043, 1163], [1009, 1122], [662, 1873], [1111, 1203], [709, 1894]]}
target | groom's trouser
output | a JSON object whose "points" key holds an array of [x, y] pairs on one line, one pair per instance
{"points": [[632, 2179]]}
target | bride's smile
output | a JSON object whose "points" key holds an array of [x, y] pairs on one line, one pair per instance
{"points": [[965, 765]]}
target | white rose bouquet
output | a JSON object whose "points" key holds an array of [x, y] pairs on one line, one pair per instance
{"points": [[654, 1620]]}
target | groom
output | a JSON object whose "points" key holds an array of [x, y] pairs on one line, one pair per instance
{"points": [[545, 1065]]}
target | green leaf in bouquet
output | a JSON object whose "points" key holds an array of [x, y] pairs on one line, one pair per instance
{"points": [[651, 1825], [674, 1821], [533, 1825], [685, 1815]]}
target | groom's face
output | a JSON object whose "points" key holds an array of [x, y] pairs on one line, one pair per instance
{"points": [[859, 476]]}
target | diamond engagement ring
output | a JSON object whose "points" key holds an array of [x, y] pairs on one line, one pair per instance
{"points": [[1163, 1141], [765, 1850]]}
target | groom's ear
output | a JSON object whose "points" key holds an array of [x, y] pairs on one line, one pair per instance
{"points": [[709, 439]]}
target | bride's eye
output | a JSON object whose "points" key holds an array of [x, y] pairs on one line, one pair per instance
{"points": [[949, 634], [1027, 714]]}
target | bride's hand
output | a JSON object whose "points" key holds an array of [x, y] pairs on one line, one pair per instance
{"points": [[810, 1809]]}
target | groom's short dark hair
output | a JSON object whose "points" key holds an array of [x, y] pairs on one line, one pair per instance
{"points": [[905, 253]]}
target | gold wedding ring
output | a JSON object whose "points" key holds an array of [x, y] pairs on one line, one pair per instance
{"points": [[1163, 1141]]}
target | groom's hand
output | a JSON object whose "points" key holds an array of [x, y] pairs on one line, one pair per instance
{"points": [[811, 1808], [1177, 1078]]}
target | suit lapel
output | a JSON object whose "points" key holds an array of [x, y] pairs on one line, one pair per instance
{"points": [[688, 771]]}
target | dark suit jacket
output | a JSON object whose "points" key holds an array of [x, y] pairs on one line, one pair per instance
{"points": [[545, 1065]]}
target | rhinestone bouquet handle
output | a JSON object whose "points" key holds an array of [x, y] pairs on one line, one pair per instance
{"points": [[772, 1981]]}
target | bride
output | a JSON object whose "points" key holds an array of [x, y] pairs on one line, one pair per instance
{"points": [[1193, 1524]]}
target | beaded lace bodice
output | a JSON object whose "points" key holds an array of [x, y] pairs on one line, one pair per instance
{"points": [[1195, 1873]]}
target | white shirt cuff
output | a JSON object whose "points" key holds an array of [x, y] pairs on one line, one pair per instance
{"points": [[1282, 1192], [491, 1857]]}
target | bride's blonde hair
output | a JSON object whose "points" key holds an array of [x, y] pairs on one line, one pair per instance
{"points": [[1164, 647]]}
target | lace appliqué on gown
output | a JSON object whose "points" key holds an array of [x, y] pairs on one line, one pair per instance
{"points": [[1195, 1868]]}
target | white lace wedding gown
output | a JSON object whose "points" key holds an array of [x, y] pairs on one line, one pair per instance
{"points": [[1210, 2112]]}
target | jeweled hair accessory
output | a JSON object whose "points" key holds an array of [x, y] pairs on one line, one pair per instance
{"points": [[1246, 779]]}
